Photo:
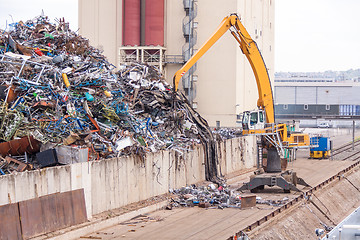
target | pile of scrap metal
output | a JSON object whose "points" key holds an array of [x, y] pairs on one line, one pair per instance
{"points": [[58, 92], [222, 134], [275, 203], [217, 196], [210, 196]]}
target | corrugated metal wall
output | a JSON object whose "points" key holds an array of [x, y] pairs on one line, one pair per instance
{"points": [[285, 95], [153, 25], [305, 95], [337, 95], [154, 22], [333, 95], [131, 22]]}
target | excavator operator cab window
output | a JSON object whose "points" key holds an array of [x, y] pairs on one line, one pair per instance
{"points": [[256, 117], [261, 116], [253, 118], [245, 120]]}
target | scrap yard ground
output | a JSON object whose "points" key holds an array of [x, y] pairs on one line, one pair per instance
{"points": [[199, 223]]}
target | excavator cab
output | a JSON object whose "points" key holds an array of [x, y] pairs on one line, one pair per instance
{"points": [[253, 120]]}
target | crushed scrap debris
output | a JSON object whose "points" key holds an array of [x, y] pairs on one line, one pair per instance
{"points": [[58, 92], [226, 133], [270, 202], [216, 196], [210, 196]]}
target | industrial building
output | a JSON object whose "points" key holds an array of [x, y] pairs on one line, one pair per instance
{"points": [[310, 97], [166, 33]]}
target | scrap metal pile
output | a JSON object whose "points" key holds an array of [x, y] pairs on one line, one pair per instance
{"points": [[216, 196], [58, 92], [209, 196], [226, 133]]}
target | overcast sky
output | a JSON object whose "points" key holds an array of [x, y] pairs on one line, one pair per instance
{"points": [[310, 35], [28, 9], [317, 35]]}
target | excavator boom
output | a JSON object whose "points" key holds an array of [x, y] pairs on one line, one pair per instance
{"points": [[251, 51]]}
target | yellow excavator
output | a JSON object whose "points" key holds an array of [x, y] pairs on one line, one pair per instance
{"points": [[275, 138]]}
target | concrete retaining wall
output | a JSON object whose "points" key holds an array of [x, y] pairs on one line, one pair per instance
{"points": [[112, 183]]}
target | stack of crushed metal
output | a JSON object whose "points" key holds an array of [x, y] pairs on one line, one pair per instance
{"points": [[275, 203], [61, 102], [209, 196], [222, 134], [217, 196]]}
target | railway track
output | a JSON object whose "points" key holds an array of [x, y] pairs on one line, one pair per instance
{"points": [[344, 148], [352, 156]]}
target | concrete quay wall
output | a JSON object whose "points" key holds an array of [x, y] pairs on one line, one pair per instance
{"points": [[116, 182]]}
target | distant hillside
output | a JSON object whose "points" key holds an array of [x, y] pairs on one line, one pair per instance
{"points": [[352, 74]]}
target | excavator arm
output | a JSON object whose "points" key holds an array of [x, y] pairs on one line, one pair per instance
{"points": [[251, 51]]}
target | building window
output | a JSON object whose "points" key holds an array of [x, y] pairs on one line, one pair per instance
{"points": [[285, 106], [306, 107], [217, 124], [327, 107]]}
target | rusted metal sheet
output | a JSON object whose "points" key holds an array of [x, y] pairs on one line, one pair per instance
{"points": [[20, 146], [5, 91], [16, 165], [204, 204], [79, 207], [248, 201], [10, 222], [63, 208], [52, 212], [49, 206], [32, 217]]}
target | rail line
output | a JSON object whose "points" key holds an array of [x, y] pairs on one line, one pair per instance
{"points": [[240, 234], [344, 148], [357, 154]]}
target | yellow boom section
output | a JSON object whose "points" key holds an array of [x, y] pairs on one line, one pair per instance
{"points": [[250, 49]]}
